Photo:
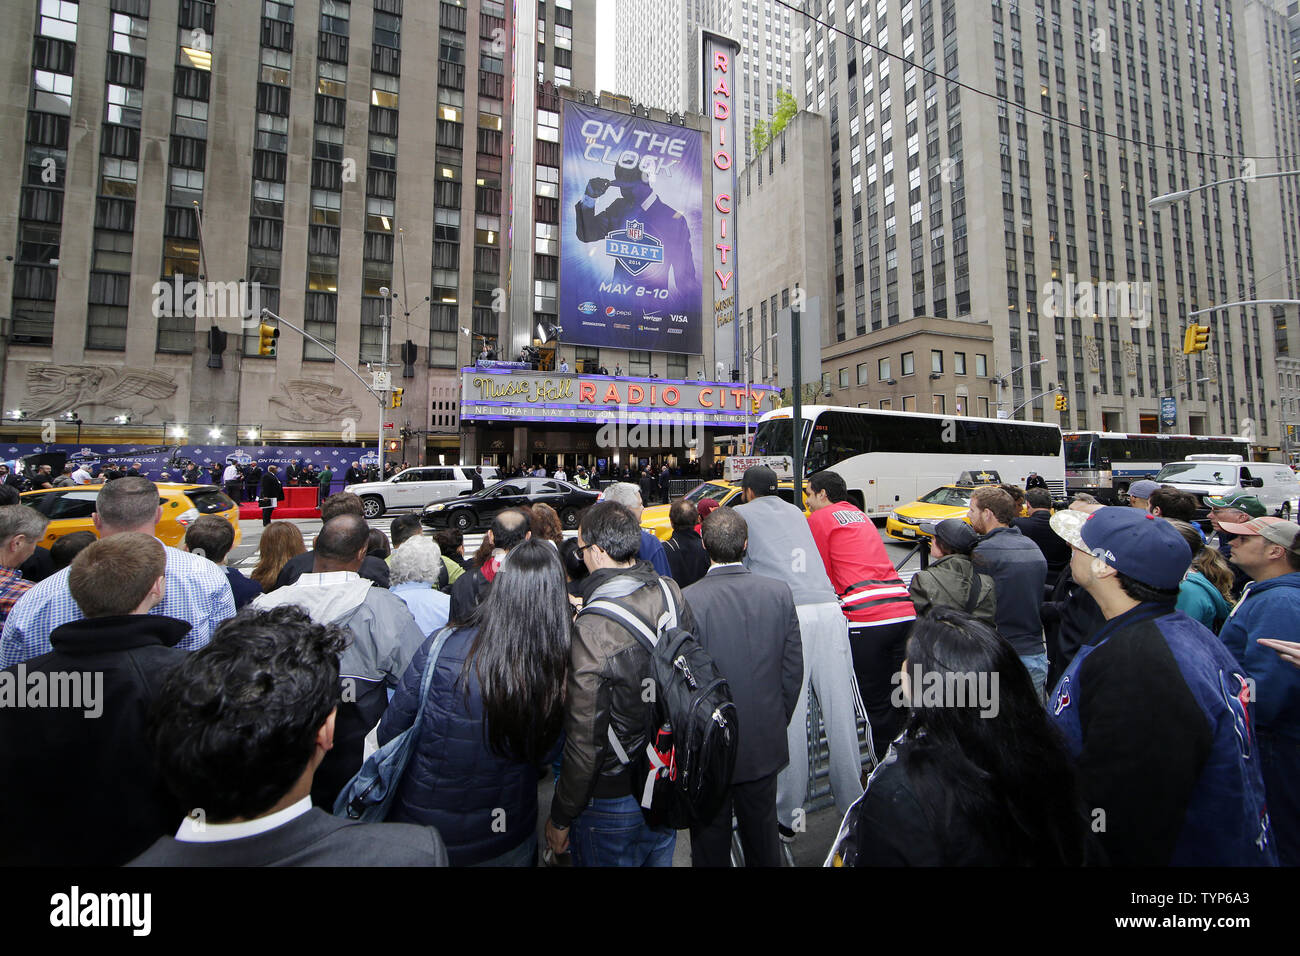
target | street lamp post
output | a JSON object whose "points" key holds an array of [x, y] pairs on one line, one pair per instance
{"points": [[1169, 199], [1001, 382]]}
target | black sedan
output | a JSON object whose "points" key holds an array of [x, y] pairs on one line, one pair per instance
{"points": [[472, 511]]}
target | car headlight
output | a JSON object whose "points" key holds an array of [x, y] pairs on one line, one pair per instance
{"points": [[434, 508], [903, 520]]}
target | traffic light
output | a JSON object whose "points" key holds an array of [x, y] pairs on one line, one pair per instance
{"points": [[390, 445], [266, 336], [1062, 402], [397, 398], [1197, 339]]}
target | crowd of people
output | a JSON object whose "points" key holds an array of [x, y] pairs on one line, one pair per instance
{"points": [[1095, 685]]}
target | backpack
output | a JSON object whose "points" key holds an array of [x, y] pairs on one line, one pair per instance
{"points": [[369, 795], [689, 758]]}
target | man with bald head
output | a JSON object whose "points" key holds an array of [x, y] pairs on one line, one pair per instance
{"points": [[509, 528], [384, 639]]}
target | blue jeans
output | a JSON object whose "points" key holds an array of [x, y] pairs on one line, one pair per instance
{"points": [[612, 832], [1036, 664]]}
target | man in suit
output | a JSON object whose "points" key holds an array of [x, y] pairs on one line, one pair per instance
{"points": [[252, 481], [220, 710], [270, 492], [354, 475], [748, 624], [476, 480]]}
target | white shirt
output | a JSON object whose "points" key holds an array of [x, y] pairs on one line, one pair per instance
{"points": [[231, 473], [81, 476], [560, 474], [197, 831]]}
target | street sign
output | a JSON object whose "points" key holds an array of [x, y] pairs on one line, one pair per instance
{"points": [[381, 381], [388, 424], [1168, 411]]}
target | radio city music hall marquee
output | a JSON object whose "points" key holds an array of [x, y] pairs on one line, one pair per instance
{"points": [[597, 399]]}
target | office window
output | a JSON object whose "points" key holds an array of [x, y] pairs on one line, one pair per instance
{"points": [[638, 364], [882, 371], [862, 374], [909, 365], [959, 363], [844, 377], [937, 405], [936, 360], [981, 368]]}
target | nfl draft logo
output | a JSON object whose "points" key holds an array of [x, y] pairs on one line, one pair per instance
{"points": [[633, 249]]}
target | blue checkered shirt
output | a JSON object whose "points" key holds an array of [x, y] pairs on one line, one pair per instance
{"points": [[196, 591]]}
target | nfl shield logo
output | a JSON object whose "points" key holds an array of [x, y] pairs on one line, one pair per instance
{"points": [[635, 230]]}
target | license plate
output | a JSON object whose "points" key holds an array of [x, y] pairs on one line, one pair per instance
{"points": [[907, 532]]}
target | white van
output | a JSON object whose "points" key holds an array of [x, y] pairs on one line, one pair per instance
{"points": [[1275, 485], [416, 487]]}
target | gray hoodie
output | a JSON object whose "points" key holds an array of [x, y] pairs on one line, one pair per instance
{"points": [[781, 546], [384, 639]]}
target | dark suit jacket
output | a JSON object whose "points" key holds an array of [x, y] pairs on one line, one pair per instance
{"points": [[271, 487], [747, 623], [313, 839], [372, 569]]}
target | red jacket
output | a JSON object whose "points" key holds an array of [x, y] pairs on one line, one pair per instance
{"points": [[870, 590]]}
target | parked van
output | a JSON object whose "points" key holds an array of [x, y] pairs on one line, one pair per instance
{"points": [[1274, 484]]}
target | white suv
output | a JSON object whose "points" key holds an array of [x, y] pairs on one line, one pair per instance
{"points": [[416, 487], [1221, 476]]}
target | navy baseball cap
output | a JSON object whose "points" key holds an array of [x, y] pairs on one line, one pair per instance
{"points": [[1135, 543]]}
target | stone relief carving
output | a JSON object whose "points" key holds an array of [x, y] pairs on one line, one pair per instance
{"points": [[1130, 358], [52, 389], [307, 402], [1094, 355]]}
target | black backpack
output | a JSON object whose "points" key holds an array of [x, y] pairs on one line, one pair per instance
{"points": [[683, 776]]}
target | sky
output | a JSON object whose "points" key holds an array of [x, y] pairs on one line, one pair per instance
{"points": [[604, 45]]}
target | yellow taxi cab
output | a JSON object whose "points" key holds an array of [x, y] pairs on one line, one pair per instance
{"points": [[70, 509], [916, 520], [726, 493]]}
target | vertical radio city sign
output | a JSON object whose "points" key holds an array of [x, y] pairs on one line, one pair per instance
{"points": [[719, 75]]}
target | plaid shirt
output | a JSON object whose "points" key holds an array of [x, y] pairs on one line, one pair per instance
{"points": [[12, 587], [196, 591]]}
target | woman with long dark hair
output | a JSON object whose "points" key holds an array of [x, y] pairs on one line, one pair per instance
{"points": [[978, 777], [493, 716]]}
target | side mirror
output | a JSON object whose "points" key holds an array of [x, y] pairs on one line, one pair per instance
{"points": [[1257, 482]]}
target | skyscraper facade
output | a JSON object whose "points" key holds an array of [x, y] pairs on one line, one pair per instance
{"points": [[318, 154], [1095, 108]]}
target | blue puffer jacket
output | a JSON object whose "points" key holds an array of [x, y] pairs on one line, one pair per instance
{"points": [[482, 804]]}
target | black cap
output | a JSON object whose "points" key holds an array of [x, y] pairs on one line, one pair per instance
{"points": [[761, 479], [956, 535]]}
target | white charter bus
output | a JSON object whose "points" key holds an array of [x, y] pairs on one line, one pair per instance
{"points": [[890, 458], [1104, 464]]}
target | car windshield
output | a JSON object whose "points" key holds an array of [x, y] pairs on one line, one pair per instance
{"points": [[956, 497], [706, 490], [1198, 473]]}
